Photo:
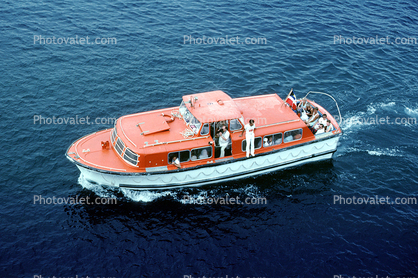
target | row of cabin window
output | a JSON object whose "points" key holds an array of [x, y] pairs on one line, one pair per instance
{"points": [[129, 155], [235, 124], [195, 154], [275, 139], [206, 152]]}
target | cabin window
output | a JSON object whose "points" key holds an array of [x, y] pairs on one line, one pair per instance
{"points": [[185, 113], [188, 117], [183, 156], [235, 124], [130, 156], [205, 129], [114, 133], [273, 139], [119, 146], [194, 124], [292, 135], [257, 144], [182, 108], [201, 153]]}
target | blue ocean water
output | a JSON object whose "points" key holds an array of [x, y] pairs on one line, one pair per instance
{"points": [[301, 231]]}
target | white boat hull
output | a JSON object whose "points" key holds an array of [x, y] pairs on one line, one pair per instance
{"points": [[322, 149]]}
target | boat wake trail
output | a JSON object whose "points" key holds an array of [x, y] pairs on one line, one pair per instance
{"points": [[145, 196], [380, 115], [375, 151], [361, 129]]}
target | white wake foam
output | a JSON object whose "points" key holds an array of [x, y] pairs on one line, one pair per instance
{"points": [[386, 152], [181, 195], [101, 191], [377, 151], [145, 196], [379, 114], [373, 107], [413, 112]]}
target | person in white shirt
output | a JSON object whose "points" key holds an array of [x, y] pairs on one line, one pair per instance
{"points": [[303, 116], [223, 140], [320, 129], [322, 120], [268, 141], [249, 136], [176, 162], [204, 154]]}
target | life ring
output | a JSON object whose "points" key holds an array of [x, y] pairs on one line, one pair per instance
{"points": [[168, 118]]}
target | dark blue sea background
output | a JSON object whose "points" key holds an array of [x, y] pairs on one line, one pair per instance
{"points": [[301, 231]]}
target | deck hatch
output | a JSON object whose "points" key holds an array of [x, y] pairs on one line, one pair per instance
{"points": [[153, 125]]}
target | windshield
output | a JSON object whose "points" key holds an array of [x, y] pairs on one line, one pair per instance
{"points": [[194, 124], [189, 119], [182, 109]]}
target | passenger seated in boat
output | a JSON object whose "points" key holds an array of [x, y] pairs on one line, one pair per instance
{"points": [[297, 135], [313, 118], [303, 105], [322, 120], [309, 110], [268, 141], [176, 162], [223, 140], [204, 154], [320, 129], [303, 116], [288, 138], [328, 126], [292, 136]]}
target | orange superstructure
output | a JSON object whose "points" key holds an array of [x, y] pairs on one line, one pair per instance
{"points": [[147, 142]]}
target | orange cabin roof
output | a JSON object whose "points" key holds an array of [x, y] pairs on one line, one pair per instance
{"points": [[266, 110], [212, 106]]}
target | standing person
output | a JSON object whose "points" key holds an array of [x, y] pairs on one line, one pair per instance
{"points": [[223, 140], [249, 135]]}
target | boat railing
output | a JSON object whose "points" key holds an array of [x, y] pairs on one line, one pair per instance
{"points": [[338, 108]]}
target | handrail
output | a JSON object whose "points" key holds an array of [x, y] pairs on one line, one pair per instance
{"points": [[330, 97], [177, 141]]}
